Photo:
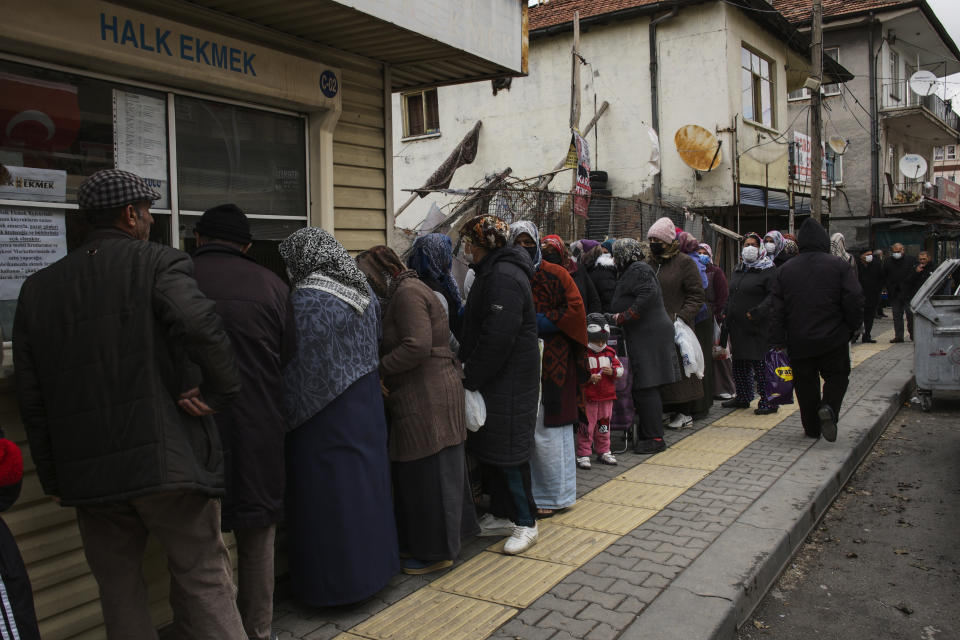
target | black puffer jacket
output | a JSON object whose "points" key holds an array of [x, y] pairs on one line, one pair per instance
{"points": [[749, 293], [107, 340], [604, 275], [588, 291], [817, 300], [501, 356]]}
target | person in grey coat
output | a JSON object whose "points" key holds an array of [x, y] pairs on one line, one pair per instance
{"points": [[637, 306]]}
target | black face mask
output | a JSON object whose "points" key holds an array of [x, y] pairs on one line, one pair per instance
{"points": [[532, 251], [551, 256], [657, 249]]}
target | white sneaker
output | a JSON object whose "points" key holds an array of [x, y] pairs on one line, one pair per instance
{"points": [[723, 396], [680, 421], [584, 461], [522, 539], [491, 525], [607, 458]]}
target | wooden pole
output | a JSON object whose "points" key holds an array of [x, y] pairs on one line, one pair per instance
{"points": [[816, 127], [575, 74]]}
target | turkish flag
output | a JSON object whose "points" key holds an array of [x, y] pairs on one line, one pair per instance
{"points": [[37, 115]]}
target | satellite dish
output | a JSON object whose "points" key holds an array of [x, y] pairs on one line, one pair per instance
{"points": [[838, 144], [767, 150], [913, 166], [699, 148], [923, 82]]}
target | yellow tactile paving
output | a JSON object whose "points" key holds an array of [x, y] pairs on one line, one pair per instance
{"points": [[602, 516], [689, 458], [509, 580], [635, 494], [565, 545], [659, 474], [728, 440], [347, 636], [428, 614]]}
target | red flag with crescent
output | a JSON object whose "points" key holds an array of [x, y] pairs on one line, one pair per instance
{"points": [[37, 114]]}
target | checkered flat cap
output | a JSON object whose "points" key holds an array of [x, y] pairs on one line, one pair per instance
{"points": [[114, 188]]}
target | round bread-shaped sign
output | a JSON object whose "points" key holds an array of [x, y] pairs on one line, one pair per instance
{"points": [[329, 85]]}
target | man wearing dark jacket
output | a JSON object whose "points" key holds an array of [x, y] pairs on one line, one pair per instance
{"points": [[898, 270], [120, 363], [258, 317], [870, 275], [817, 309]]}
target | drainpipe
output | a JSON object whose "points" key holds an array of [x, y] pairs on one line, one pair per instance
{"points": [[654, 99], [874, 134]]}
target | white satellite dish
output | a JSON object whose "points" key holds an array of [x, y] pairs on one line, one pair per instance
{"points": [[923, 82], [913, 166], [838, 144], [767, 150]]}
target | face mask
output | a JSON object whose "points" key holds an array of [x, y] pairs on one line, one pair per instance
{"points": [[897, 255], [770, 247], [704, 258], [657, 249], [533, 252], [548, 256], [750, 254], [868, 259]]}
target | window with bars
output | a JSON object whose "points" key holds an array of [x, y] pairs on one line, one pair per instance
{"points": [[938, 153], [421, 113], [757, 88]]}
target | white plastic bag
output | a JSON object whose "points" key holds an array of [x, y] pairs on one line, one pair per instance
{"points": [[690, 352], [476, 409]]}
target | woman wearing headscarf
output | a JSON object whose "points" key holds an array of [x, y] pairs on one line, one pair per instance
{"points": [[501, 360], [703, 324], [790, 249], [747, 320], [838, 247], [555, 252], [602, 271], [424, 398], [562, 325], [683, 298], [431, 257], [717, 293], [341, 534], [638, 308], [773, 244]]}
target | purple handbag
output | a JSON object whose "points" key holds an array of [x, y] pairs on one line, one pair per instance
{"points": [[779, 377]]}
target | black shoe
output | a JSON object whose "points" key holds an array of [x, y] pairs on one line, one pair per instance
{"points": [[766, 411], [650, 445], [733, 403], [868, 340], [895, 340], [828, 423]]}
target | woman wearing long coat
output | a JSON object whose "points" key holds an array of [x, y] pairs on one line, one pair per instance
{"points": [[683, 298], [341, 534], [425, 406], [703, 325], [747, 321], [602, 270], [638, 307], [717, 293]]}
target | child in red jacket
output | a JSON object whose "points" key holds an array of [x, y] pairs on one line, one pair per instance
{"points": [[599, 392]]}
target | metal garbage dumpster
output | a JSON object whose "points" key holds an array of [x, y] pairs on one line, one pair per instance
{"points": [[936, 332]]}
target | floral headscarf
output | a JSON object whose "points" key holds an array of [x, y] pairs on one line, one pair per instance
{"points": [[525, 226], [790, 247], [431, 257], [625, 252], [384, 270], [315, 260], [486, 231], [762, 262], [556, 243], [779, 242]]}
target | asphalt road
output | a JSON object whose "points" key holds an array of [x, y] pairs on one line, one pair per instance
{"points": [[884, 563]]}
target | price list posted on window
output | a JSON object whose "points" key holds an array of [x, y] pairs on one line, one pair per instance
{"points": [[140, 138], [30, 239]]}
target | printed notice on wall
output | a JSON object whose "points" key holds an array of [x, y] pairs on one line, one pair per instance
{"points": [[140, 138], [30, 239]]}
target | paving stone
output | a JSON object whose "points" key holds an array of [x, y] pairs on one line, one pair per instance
{"points": [[532, 615], [605, 600], [686, 552], [553, 604], [298, 625], [599, 614], [565, 589], [574, 626], [326, 632], [637, 603], [604, 632], [517, 629], [656, 581], [588, 577]]}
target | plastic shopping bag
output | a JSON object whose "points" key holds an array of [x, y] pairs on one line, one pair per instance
{"points": [[691, 355], [476, 409], [779, 377]]}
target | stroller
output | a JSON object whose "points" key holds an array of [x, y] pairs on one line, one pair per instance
{"points": [[624, 418]]}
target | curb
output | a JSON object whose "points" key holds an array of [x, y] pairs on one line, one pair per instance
{"points": [[719, 590]]}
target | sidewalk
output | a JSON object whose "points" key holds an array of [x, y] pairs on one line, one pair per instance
{"points": [[678, 545]]}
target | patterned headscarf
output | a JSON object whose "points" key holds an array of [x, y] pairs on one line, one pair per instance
{"points": [[625, 252], [486, 231], [525, 226], [779, 242], [315, 260], [838, 246], [431, 257], [704, 245], [762, 262], [556, 242], [384, 270], [790, 247]]}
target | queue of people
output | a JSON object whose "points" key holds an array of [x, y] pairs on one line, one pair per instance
{"points": [[225, 399]]}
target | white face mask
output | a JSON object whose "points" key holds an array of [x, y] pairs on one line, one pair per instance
{"points": [[868, 259], [897, 255], [750, 254], [770, 247]]}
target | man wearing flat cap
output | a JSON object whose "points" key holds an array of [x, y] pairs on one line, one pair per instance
{"points": [[258, 317], [121, 361]]}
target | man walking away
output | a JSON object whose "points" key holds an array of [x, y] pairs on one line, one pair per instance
{"points": [[258, 317], [120, 362], [817, 309], [870, 274], [898, 270]]}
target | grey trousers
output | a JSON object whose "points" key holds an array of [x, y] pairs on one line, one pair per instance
{"points": [[255, 579], [187, 525]]}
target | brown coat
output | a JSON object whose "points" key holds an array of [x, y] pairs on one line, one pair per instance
{"points": [[425, 406], [683, 295]]}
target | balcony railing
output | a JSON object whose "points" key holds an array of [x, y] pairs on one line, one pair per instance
{"points": [[899, 94]]}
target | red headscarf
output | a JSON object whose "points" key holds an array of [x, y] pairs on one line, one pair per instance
{"points": [[556, 242]]}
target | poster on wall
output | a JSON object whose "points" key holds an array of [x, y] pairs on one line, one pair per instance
{"points": [[579, 157], [30, 239], [27, 183], [801, 167], [140, 139]]}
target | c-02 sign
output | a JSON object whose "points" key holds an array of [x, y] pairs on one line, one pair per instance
{"points": [[329, 85]]}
